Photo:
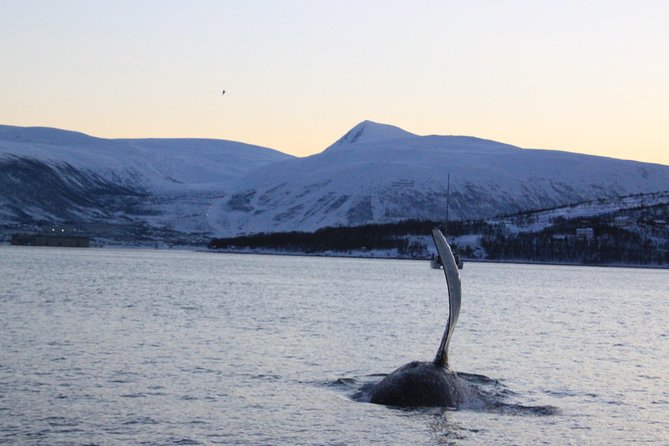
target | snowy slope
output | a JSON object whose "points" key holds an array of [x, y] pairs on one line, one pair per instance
{"points": [[150, 163], [538, 221], [51, 176], [162, 188], [380, 173]]}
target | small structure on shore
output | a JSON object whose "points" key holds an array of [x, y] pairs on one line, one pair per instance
{"points": [[53, 237]]}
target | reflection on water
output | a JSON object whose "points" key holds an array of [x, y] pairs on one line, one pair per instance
{"points": [[163, 347]]}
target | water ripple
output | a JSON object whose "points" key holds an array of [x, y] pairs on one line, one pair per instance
{"points": [[173, 347]]}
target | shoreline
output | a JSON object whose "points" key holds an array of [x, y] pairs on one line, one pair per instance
{"points": [[466, 260], [371, 255]]}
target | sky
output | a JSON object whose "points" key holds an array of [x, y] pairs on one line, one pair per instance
{"points": [[587, 76]]}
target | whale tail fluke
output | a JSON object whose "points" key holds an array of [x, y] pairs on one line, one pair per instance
{"points": [[454, 294]]}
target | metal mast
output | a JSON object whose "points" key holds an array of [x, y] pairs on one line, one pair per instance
{"points": [[448, 198]]}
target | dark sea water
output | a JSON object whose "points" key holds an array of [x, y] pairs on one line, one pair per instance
{"points": [[102, 346]]}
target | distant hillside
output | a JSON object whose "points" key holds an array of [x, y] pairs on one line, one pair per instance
{"points": [[382, 174], [122, 191], [186, 191], [633, 230]]}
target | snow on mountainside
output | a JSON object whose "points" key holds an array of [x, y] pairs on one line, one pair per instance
{"points": [[379, 173], [540, 220], [148, 163], [51, 176], [368, 131], [155, 189]]}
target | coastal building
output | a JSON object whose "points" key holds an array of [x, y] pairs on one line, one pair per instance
{"points": [[51, 237]]}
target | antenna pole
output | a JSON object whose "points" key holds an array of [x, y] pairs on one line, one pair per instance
{"points": [[448, 198]]}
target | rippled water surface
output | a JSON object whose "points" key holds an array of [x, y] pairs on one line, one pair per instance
{"points": [[101, 346]]}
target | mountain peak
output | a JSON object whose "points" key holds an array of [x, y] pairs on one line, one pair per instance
{"points": [[369, 131]]}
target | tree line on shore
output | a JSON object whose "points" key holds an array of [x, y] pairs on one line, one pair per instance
{"points": [[607, 245], [366, 237], [604, 243]]}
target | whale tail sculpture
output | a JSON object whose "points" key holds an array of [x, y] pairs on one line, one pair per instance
{"points": [[429, 383], [454, 294]]}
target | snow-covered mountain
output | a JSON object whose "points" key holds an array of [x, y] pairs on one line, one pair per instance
{"points": [[152, 189], [616, 207], [380, 173], [151, 164], [118, 186]]}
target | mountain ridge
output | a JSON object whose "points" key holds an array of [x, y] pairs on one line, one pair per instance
{"points": [[374, 173], [370, 131], [386, 179]]}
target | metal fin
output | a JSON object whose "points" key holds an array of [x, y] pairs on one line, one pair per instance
{"points": [[454, 293]]}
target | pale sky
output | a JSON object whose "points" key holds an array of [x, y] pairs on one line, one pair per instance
{"points": [[582, 76]]}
